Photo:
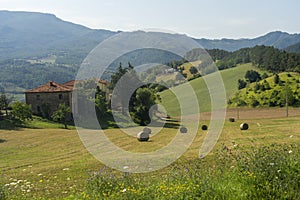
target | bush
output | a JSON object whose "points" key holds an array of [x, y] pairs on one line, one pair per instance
{"points": [[241, 84], [21, 111], [252, 76]]}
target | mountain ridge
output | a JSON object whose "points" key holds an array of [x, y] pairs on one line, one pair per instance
{"points": [[28, 34], [277, 39], [29, 40], [33, 34]]}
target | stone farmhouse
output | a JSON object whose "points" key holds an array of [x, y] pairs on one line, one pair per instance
{"points": [[45, 99]]}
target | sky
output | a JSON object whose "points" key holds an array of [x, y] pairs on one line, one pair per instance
{"points": [[212, 19]]}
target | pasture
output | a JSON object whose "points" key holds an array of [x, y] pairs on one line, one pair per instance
{"points": [[230, 79], [52, 163]]}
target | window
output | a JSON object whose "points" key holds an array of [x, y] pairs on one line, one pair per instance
{"points": [[60, 96], [38, 97], [38, 109]]}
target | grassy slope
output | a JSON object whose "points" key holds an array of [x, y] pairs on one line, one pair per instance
{"points": [[230, 78], [290, 78], [57, 164]]}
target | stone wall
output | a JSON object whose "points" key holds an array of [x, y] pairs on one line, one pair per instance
{"points": [[47, 102]]}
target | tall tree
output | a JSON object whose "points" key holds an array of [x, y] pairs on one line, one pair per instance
{"points": [[145, 99], [100, 103], [117, 76], [4, 103], [286, 96], [123, 82]]}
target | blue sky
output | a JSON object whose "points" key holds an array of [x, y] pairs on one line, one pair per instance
{"points": [[196, 18]]}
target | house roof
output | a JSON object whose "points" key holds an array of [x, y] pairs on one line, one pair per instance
{"points": [[102, 81], [52, 86], [69, 83]]}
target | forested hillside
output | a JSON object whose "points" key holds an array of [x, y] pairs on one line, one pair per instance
{"points": [[38, 47], [264, 57]]}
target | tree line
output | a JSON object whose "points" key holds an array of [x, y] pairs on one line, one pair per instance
{"points": [[25, 74], [264, 57]]}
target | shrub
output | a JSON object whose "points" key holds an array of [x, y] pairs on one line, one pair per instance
{"points": [[21, 111], [241, 84], [252, 76]]}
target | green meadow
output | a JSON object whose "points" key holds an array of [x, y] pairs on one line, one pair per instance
{"points": [[230, 81], [52, 163]]}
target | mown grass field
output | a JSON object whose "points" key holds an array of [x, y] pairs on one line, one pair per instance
{"points": [[230, 79], [52, 163]]}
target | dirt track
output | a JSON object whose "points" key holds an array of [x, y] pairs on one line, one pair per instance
{"points": [[256, 113], [252, 113]]}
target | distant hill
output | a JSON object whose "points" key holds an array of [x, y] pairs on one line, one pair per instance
{"points": [[295, 48], [277, 39], [30, 34], [38, 47]]}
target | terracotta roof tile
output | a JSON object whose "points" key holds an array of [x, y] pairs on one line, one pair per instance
{"points": [[51, 86], [104, 82], [69, 84]]}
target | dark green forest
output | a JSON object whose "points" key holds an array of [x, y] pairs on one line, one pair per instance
{"points": [[264, 57], [20, 74], [23, 74]]}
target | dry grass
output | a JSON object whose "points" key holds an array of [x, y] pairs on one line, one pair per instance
{"points": [[57, 164]]}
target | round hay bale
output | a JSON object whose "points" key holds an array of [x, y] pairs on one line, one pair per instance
{"points": [[204, 127], [183, 129], [147, 130], [142, 137], [231, 119], [244, 126]]}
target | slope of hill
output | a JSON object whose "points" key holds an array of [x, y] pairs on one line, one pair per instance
{"points": [[29, 40], [270, 93], [295, 48], [30, 34], [230, 78], [277, 39]]}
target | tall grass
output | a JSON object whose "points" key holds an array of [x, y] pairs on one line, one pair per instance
{"points": [[267, 172], [3, 192]]}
